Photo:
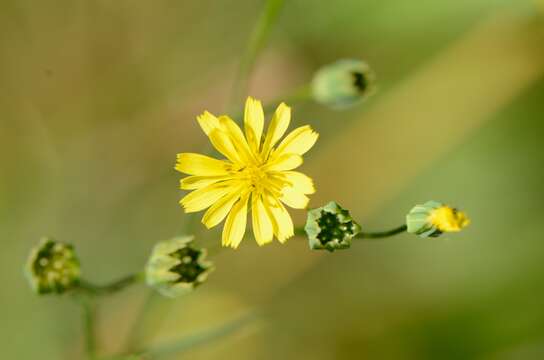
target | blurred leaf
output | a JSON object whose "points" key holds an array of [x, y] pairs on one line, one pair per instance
{"points": [[206, 337]]}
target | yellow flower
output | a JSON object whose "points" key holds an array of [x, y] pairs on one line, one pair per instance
{"points": [[255, 175], [434, 218], [447, 219]]}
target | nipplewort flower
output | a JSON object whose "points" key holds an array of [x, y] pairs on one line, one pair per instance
{"points": [[52, 267], [177, 266], [255, 175], [434, 218], [330, 227]]}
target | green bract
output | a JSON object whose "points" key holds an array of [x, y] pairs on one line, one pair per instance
{"points": [[330, 227], [52, 267], [176, 266], [418, 220], [343, 83]]}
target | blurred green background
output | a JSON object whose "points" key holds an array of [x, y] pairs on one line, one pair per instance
{"points": [[97, 97]]}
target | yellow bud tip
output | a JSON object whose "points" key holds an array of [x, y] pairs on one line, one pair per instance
{"points": [[447, 219]]}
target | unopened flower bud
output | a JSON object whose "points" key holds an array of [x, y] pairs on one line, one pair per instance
{"points": [[434, 218], [330, 227], [343, 83], [52, 267], [176, 266]]}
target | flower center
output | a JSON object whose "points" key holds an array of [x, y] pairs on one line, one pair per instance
{"points": [[255, 176]]}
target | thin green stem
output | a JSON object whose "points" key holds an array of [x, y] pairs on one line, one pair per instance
{"points": [[255, 44], [88, 308], [135, 334], [111, 288], [202, 338], [382, 234], [299, 95], [299, 231]]}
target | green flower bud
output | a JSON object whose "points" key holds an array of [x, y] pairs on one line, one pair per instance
{"points": [[330, 227], [434, 218], [176, 266], [52, 267], [343, 83]]}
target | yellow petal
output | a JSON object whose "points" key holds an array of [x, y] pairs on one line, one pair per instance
{"points": [[197, 182], [235, 226], [202, 198], [208, 122], [262, 225], [294, 199], [217, 212], [284, 162], [276, 129], [253, 123], [299, 182], [237, 137], [298, 141], [223, 143], [196, 164], [281, 220]]}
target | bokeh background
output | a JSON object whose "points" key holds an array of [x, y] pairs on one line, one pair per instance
{"points": [[97, 97]]}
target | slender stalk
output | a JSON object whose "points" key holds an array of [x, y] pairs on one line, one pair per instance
{"points": [[111, 288], [135, 333], [300, 94], [88, 326], [297, 96], [205, 337], [299, 231], [255, 44], [381, 234]]}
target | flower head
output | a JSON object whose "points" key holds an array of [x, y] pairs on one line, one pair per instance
{"points": [[256, 174], [52, 267], [176, 266], [343, 83], [434, 218], [330, 227]]}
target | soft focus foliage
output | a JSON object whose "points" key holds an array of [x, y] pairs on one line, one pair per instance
{"points": [[97, 96]]}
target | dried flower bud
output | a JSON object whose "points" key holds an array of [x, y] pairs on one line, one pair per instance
{"points": [[176, 266], [434, 218], [343, 83], [52, 267], [330, 227]]}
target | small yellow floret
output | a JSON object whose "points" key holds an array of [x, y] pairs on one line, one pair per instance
{"points": [[447, 219]]}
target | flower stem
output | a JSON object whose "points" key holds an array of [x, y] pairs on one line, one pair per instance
{"points": [[255, 44], [111, 288], [135, 333], [381, 234], [299, 231], [88, 321], [300, 94], [206, 337]]}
